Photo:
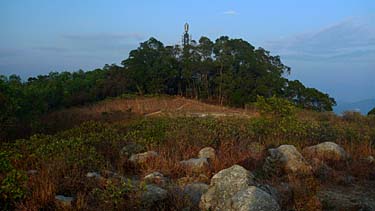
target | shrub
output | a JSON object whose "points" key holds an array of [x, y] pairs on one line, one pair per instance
{"points": [[13, 182]]}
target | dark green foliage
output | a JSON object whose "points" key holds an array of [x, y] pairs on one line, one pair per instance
{"points": [[12, 182], [228, 71], [372, 112]]}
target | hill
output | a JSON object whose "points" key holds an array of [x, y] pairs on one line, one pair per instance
{"points": [[226, 71]]}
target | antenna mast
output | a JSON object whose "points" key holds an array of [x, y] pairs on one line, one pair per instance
{"points": [[186, 37]]}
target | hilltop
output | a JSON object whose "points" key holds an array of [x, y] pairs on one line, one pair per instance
{"points": [[229, 72]]}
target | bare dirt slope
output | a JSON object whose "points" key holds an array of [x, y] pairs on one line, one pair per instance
{"points": [[124, 109], [150, 106]]}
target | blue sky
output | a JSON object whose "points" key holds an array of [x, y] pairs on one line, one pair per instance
{"points": [[329, 45]]}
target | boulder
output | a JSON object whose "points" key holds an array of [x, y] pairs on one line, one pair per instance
{"points": [[196, 165], [194, 192], [156, 178], [153, 195], [64, 201], [93, 175], [370, 159], [253, 199], [131, 148], [224, 185], [286, 158], [141, 158], [327, 151], [32, 172], [207, 152]]}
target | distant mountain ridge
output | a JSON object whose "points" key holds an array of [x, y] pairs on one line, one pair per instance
{"points": [[363, 106]]}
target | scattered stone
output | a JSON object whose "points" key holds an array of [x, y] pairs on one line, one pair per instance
{"points": [[153, 195], [207, 152], [32, 172], [143, 157], [287, 159], [370, 159], [132, 148], [64, 201], [93, 174], [253, 199], [327, 151], [224, 185], [197, 165], [194, 191], [156, 178]]}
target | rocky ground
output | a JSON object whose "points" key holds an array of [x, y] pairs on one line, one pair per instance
{"points": [[236, 188]]}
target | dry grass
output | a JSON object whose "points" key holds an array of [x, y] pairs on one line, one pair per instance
{"points": [[124, 109]]}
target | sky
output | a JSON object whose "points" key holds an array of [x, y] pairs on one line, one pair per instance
{"points": [[330, 45]]}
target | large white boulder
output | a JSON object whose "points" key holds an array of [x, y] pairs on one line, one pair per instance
{"points": [[287, 159], [326, 151], [224, 185]]}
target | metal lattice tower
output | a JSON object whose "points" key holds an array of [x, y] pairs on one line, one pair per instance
{"points": [[186, 37]]}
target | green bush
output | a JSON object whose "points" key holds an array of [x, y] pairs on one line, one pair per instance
{"points": [[13, 182]]}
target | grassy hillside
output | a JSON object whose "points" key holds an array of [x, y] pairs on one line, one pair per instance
{"points": [[33, 171]]}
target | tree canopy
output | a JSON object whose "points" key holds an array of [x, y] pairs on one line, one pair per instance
{"points": [[228, 71], [371, 112]]}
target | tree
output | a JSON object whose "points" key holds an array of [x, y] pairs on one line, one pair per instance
{"points": [[371, 112]]}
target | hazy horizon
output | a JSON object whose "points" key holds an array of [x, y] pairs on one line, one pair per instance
{"points": [[329, 45]]}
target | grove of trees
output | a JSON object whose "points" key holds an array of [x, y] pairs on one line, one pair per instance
{"points": [[227, 71]]}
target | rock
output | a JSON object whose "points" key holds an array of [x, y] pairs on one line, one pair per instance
{"points": [[153, 195], [196, 165], [287, 159], [156, 178], [270, 190], [253, 199], [132, 148], [32, 172], [64, 201], [370, 159], [143, 157], [327, 151], [93, 174], [224, 185], [207, 152], [194, 191]]}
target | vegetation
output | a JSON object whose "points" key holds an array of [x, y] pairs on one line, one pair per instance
{"points": [[371, 112], [227, 71], [63, 160], [64, 138]]}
